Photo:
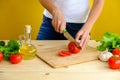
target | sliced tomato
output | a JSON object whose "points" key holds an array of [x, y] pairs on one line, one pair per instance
{"points": [[73, 48], [64, 53]]}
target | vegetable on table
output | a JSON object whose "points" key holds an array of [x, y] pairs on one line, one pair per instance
{"points": [[64, 53], [105, 55], [12, 47], [2, 43], [72, 49], [116, 51], [15, 58], [114, 62], [10, 51], [1, 56], [110, 41]]}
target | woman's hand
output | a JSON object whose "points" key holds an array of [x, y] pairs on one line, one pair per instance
{"points": [[58, 21], [84, 35]]}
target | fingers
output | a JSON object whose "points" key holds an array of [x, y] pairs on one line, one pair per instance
{"points": [[58, 21], [85, 42], [63, 26], [78, 35], [58, 25], [82, 41], [84, 38]]}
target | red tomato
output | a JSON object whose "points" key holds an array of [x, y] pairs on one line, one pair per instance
{"points": [[1, 56], [73, 48], [116, 51], [114, 62], [15, 58], [64, 53]]}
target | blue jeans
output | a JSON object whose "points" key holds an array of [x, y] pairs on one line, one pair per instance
{"points": [[47, 31]]}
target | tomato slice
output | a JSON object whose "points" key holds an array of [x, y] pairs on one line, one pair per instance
{"points": [[64, 53], [73, 48]]}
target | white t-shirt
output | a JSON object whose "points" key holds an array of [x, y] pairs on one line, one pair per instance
{"points": [[74, 11]]}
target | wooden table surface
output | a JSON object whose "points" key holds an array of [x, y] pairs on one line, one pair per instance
{"points": [[36, 69]]}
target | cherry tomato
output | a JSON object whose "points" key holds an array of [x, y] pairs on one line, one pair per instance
{"points": [[1, 56], [114, 62], [64, 53], [116, 51], [15, 58], [73, 48]]}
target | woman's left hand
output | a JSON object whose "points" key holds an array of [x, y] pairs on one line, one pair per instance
{"points": [[84, 36]]}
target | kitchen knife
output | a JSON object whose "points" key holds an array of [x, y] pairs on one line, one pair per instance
{"points": [[69, 37]]}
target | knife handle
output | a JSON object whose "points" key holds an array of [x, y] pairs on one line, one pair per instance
{"points": [[64, 30]]}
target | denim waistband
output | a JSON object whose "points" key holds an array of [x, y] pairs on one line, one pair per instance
{"points": [[49, 19]]}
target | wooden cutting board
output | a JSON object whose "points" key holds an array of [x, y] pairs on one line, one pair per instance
{"points": [[48, 52]]}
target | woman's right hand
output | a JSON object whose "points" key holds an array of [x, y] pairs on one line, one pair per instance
{"points": [[58, 21]]}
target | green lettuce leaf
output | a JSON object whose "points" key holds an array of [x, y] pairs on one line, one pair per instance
{"points": [[109, 41]]}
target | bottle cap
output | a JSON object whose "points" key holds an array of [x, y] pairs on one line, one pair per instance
{"points": [[28, 28]]}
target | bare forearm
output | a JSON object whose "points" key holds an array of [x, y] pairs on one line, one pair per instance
{"points": [[58, 21], [94, 13], [48, 4]]}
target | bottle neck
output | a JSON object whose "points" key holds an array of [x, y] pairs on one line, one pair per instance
{"points": [[27, 34], [27, 38]]}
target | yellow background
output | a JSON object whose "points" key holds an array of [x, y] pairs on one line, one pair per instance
{"points": [[14, 14]]}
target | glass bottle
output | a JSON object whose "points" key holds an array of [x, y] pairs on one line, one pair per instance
{"points": [[27, 49]]}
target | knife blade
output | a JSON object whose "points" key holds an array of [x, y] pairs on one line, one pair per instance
{"points": [[69, 37]]}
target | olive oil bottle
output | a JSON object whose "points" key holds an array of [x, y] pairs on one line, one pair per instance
{"points": [[27, 49]]}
